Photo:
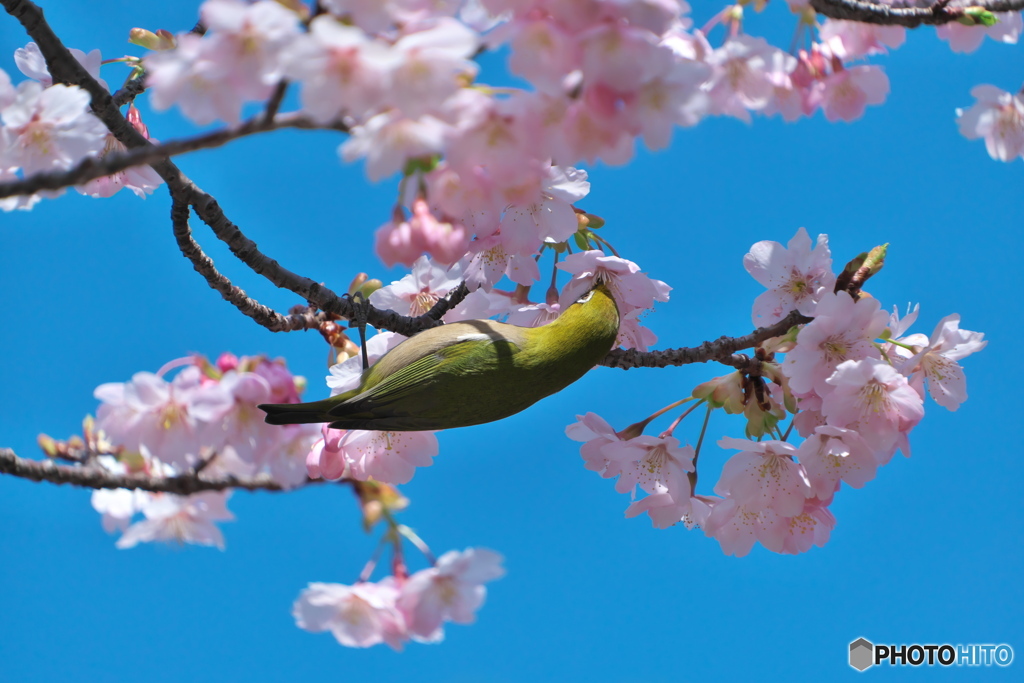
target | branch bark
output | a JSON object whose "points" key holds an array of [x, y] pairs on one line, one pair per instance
{"points": [[882, 13], [94, 477], [721, 350]]}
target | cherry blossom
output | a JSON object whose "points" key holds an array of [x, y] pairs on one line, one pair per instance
{"points": [[764, 476], [170, 419], [342, 70], [361, 615], [969, 38], [245, 41], [49, 128], [184, 519], [632, 289], [796, 276], [453, 589], [402, 241], [937, 362], [739, 82], [389, 457], [846, 93], [874, 399], [546, 216], [141, 180], [998, 118], [30, 61], [843, 329], [596, 433], [852, 39], [831, 455], [390, 139]]}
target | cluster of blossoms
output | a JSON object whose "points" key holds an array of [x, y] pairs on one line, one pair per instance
{"points": [[49, 127], [392, 457], [853, 379], [204, 418], [401, 608]]}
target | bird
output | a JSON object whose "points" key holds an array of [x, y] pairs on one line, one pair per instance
{"points": [[468, 373]]}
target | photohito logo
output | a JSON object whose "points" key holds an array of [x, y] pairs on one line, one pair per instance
{"points": [[864, 654]]}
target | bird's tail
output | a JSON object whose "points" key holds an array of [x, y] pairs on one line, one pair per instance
{"points": [[296, 413]]}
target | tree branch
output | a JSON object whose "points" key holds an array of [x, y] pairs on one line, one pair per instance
{"points": [[97, 167], [878, 12], [95, 477], [721, 350], [203, 264]]}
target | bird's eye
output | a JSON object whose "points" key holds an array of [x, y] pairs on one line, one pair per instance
{"points": [[585, 298]]}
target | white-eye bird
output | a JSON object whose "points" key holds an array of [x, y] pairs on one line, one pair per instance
{"points": [[468, 373]]}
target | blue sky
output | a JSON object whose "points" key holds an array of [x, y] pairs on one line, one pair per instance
{"points": [[94, 290]]}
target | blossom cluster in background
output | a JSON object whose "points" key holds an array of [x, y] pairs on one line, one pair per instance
{"points": [[205, 417], [400, 608], [853, 380]]}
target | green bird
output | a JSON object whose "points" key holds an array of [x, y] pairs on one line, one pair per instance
{"points": [[468, 373]]}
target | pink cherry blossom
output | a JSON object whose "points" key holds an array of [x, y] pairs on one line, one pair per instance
{"points": [[733, 525], [489, 262], [853, 39], [596, 433], [871, 397], [453, 589], [342, 70], [404, 241], [431, 62], [390, 139], [184, 519], [543, 52], [633, 335], [764, 476], [998, 118], [534, 315], [831, 455], [796, 534], [655, 464], [843, 329], [546, 216], [672, 97], [245, 41], [847, 92], [170, 419], [30, 61], [618, 55], [937, 362], [796, 277], [49, 128], [631, 288], [361, 615], [189, 76], [141, 180], [326, 457], [969, 38], [417, 292], [739, 82], [389, 457]]}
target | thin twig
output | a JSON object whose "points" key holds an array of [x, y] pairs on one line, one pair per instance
{"points": [[97, 167]]}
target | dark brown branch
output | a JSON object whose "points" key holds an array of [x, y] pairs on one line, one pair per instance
{"points": [[877, 12], [95, 477], [721, 350], [132, 89], [97, 167], [65, 69], [203, 264]]}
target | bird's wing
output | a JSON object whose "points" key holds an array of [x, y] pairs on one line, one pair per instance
{"points": [[380, 399]]}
